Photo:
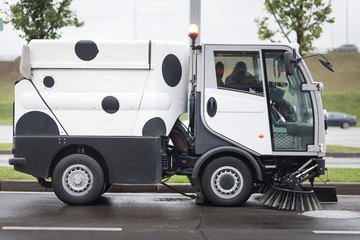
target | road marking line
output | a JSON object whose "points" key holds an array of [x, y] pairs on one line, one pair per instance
{"points": [[21, 228], [336, 232]]}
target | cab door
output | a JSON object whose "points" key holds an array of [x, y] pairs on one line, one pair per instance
{"points": [[234, 105], [291, 114]]}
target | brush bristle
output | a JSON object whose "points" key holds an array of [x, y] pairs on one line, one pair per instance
{"points": [[294, 200]]}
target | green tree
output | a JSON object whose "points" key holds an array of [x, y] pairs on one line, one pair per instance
{"points": [[302, 18], [41, 19]]}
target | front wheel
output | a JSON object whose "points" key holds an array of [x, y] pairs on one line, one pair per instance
{"points": [[78, 180], [227, 181]]}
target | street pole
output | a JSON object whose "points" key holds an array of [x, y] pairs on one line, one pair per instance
{"points": [[135, 20], [195, 16], [347, 23]]}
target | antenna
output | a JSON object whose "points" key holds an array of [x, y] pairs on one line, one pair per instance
{"points": [[273, 13]]}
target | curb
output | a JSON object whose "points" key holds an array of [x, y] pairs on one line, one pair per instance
{"points": [[5, 151], [342, 188], [34, 186], [346, 188]]}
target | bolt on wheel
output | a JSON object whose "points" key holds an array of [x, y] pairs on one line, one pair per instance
{"points": [[78, 180], [227, 181]]}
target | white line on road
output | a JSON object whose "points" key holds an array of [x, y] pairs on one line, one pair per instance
{"points": [[336, 232], [20, 228]]}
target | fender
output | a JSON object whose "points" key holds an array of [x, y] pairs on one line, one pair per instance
{"points": [[232, 149]]}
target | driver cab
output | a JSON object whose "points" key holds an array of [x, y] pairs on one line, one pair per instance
{"points": [[258, 106]]}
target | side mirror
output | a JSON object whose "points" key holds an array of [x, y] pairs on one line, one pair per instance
{"points": [[323, 61], [326, 64], [289, 63]]}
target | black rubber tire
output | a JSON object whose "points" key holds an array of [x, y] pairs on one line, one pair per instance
{"points": [[107, 187], [227, 181], [78, 180], [345, 125]]}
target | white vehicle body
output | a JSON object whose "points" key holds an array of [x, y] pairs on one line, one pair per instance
{"points": [[114, 94], [90, 114]]}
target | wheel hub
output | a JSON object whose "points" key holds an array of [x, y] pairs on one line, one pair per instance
{"points": [[77, 180], [227, 182]]}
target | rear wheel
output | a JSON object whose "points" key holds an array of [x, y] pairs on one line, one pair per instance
{"points": [[78, 180], [107, 187], [345, 125], [227, 181]]}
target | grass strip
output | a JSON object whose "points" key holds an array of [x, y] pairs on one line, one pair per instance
{"points": [[6, 112], [8, 173], [5, 146], [178, 179], [342, 175], [336, 148]]}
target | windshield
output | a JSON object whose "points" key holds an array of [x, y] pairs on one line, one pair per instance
{"points": [[291, 111]]}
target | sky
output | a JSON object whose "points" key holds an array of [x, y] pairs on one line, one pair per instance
{"points": [[222, 21]]}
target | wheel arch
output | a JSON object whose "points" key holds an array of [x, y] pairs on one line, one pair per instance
{"points": [[238, 153], [79, 149]]}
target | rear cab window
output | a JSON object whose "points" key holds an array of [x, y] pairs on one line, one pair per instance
{"points": [[239, 71]]}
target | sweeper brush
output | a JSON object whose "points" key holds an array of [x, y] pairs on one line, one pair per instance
{"points": [[294, 200], [287, 192]]}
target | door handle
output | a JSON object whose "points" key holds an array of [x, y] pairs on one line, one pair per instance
{"points": [[211, 107]]}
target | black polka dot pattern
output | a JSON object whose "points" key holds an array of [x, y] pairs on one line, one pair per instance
{"points": [[36, 122], [171, 70], [110, 104], [154, 127], [49, 82], [86, 50]]}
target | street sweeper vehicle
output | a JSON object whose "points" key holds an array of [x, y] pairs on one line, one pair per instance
{"points": [[88, 114]]}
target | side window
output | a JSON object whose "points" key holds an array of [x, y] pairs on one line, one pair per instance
{"points": [[239, 70]]}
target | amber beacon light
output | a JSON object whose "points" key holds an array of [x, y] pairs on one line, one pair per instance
{"points": [[193, 33]]}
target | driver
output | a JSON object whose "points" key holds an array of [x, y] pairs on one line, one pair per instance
{"points": [[240, 78], [284, 107]]}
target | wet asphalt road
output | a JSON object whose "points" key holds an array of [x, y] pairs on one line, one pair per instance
{"points": [[171, 216], [344, 137]]}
